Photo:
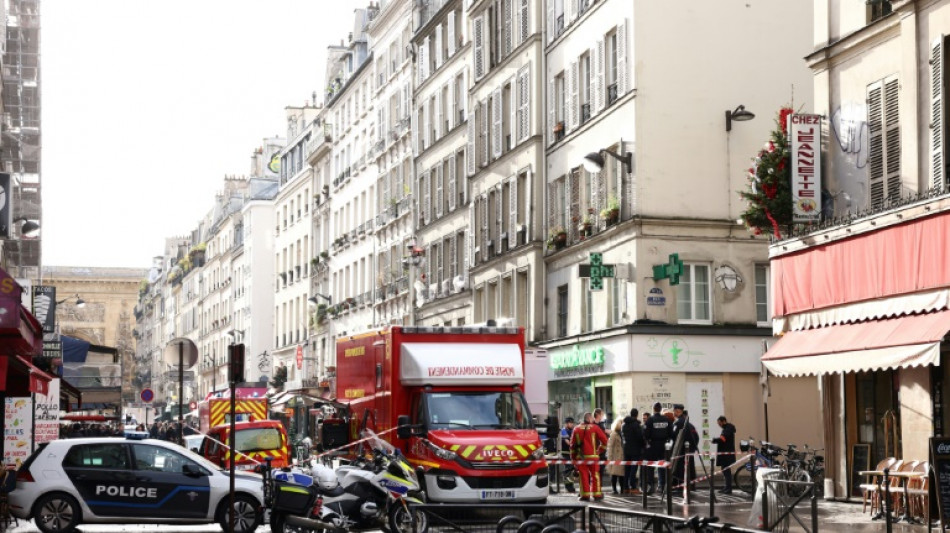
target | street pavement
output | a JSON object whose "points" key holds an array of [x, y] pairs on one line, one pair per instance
{"points": [[733, 509]]}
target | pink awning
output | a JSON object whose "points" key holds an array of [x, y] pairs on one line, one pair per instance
{"points": [[906, 341]]}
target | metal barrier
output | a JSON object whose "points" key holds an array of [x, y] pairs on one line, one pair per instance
{"points": [[492, 518], [781, 497]]}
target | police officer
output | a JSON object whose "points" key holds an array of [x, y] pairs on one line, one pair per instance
{"points": [[690, 438], [632, 447], [587, 443], [656, 431], [726, 451]]}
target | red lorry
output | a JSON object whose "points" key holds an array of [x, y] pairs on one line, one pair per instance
{"points": [[456, 396]]}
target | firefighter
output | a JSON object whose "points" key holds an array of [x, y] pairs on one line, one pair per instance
{"points": [[587, 443]]}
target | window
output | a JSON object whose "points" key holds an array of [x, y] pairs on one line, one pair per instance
{"points": [[616, 301], [693, 295], [587, 323], [103, 456], [562, 311], [762, 293], [584, 89], [938, 122], [156, 458], [611, 67], [884, 164], [877, 9]]}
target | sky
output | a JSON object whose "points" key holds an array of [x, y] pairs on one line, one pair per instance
{"points": [[147, 105]]}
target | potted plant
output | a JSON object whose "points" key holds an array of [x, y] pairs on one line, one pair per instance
{"points": [[584, 226], [611, 213], [314, 262], [557, 237]]}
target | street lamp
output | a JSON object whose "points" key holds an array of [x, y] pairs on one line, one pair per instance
{"points": [[80, 303], [594, 161], [740, 114]]}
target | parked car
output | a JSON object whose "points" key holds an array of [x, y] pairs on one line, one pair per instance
{"points": [[115, 480]]}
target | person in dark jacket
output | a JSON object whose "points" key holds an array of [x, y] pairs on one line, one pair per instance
{"points": [[691, 437], [656, 432], [726, 451], [633, 445]]}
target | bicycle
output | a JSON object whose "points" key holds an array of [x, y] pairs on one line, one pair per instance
{"points": [[764, 457], [794, 469]]}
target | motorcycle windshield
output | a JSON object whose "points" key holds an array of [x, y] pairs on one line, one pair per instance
{"points": [[377, 443], [477, 410]]}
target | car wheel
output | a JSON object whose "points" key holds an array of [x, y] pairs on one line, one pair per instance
{"points": [[56, 513], [246, 514]]}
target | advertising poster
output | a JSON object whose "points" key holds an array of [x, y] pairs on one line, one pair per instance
{"points": [[804, 138], [47, 414], [16, 445], [664, 388], [705, 404]]}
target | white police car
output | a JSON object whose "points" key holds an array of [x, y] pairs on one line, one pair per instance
{"points": [[118, 480]]}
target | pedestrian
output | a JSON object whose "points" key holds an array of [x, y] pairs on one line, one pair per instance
{"points": [[615, 455], [587, 443], [726, 451], [690, 443], [601, 422], [656, 432], [569, 471], [633, 445]]}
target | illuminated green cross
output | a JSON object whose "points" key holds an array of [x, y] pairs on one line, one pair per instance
{"points": [[672, 270], [596, 271]]}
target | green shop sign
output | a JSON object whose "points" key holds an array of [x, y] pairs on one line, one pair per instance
{"points": [[578, 357]]}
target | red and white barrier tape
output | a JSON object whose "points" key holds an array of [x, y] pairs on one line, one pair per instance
{"points": [[655, 464], [354, 443], [739, 462]]}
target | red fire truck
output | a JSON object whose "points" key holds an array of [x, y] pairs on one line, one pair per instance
{"points": [[456, 395]]}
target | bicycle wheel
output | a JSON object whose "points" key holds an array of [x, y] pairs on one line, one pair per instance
{"points": [[743, 479], [801, 476]]}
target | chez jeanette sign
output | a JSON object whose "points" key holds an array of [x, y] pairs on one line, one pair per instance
{"points": [[804, 137]]}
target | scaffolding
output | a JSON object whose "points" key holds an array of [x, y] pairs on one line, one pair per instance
{"points": [[20, 132]]}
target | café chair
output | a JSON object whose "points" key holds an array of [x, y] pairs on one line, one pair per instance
{"points": [[873, 487]]}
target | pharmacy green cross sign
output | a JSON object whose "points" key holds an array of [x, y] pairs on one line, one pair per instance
{"points": [[672, 270], [596, 271]]}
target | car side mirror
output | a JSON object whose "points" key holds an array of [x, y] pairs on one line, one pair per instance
{"points": [[191, 470], [403, 429]]}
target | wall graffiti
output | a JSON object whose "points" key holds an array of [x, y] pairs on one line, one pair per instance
{"points": [[846, 174], [263, 362], [850, 127]]}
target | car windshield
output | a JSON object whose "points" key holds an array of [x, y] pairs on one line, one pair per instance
{"points": [[477, 410], [252, 439]]}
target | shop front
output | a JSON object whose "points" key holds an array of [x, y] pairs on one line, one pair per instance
{"points": [[581, 376], [866, 314]]}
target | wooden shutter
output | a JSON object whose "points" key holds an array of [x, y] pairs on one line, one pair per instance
{"points": [[427, 196], [597, 102], [621, 58], [552, 21], [499, 216], [524, 87], [423, 62], [523, 22], [552, 205], [426, 124], [453, 259], [513, 211], [876, 142], [478, 28], [438, 46], [570, 12], [483, 109], [451, 106], [506, 14], [573, 103], [437, 111], [413, 119], [892, 138], [439, 188], [937, 125], [452, 185], [513, 110], [463, 99], [496, 122], [486, 235], [574, 200], [552, 109], [450, 33], [471, 134], [470, 239]]}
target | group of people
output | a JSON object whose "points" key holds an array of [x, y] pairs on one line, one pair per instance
{"points": [[634, 439]]}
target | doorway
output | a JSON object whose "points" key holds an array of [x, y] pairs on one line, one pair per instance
{"points": [[603, 398]]}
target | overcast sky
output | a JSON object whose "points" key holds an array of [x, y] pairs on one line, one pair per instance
{"points": [[148, 104]]}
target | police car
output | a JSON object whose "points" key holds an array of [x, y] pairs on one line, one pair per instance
{"points": [[119, 480]]}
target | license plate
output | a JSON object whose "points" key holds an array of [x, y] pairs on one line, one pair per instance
{"points": [[497, 494]]}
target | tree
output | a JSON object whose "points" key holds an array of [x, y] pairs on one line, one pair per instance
{"points": [[769, 197]]}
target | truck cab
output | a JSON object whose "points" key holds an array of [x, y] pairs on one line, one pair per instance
{"points": [[255, 441]]}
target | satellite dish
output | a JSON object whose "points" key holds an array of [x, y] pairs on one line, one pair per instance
{"points": [[185, 348]]}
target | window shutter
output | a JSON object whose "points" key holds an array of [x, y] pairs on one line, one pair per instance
{"points": [[499, 216], [621, 58], [429, 294], [552, 109], [386, 191], [437, 127], [470, 239], [486, 236], [452, 185], [523, 21], [438, 46], [427, 196], [439, 188], [471, 134], [937, 126], [450, 33], [507, 15], [496, 122], [892, 138], [463, 98], [415, 132], [513, 109], [423, 62], [596, 192], [483, 110], [552, 21], [574, 102], [426, 124], [406, 100], [552, 205], [478, 28], [400, 191], [513, 211], [570, 12], [450, 105], [380, 131], [524, 85], [574, 190], [599, 83], [876, 143]]}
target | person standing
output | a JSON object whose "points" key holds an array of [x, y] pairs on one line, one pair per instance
{"points": [[656, 432], [567, 432], [587, 443], [726, 451], [616, 472], [601, 422], [632, 448], [690, 446]]}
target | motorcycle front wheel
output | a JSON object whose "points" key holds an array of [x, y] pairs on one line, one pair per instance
{"points": [[402, 521]]}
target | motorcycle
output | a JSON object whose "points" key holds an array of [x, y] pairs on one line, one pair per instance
{"points": [[369, 493]]}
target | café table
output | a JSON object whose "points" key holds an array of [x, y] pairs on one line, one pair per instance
{"points": [[904, 478]]}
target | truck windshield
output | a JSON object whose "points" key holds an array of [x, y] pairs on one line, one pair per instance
{"points": [[249, 440], [477, 410]]}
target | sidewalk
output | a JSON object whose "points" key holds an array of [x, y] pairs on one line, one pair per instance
{"points": [[735, 509]]}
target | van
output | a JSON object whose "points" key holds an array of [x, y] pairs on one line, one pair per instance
{"points": [[255, 441]]}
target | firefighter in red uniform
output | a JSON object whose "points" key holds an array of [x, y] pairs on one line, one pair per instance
{"points": [[587, 443]]}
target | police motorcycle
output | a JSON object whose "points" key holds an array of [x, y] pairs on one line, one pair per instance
{"points": [[369, 493]]}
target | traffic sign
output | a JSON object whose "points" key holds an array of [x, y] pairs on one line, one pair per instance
{"points": [[193, 405], [147, 395]]}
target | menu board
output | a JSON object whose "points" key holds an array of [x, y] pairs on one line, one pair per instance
{"points": [[940, 468], [860, 460], [17, 438]]}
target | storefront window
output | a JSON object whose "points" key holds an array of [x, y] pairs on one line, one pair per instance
{"points": [[877, 417]]}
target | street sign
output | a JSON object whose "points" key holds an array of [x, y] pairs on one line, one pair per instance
{"points": [[193, 405], [147, 395], [596, 271]]}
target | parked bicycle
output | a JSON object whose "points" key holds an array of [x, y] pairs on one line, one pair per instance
{"points": [[765, 456], [793, 469]]}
